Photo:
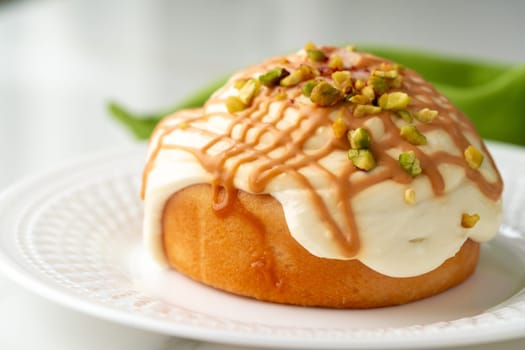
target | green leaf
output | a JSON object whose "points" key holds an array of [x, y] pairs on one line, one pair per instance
{"points": [[141, 125]]}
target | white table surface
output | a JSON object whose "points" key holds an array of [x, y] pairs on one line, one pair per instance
{"points": [[60, 61]]}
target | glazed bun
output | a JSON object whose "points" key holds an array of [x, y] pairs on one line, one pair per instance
{"points": [[328, 177]]}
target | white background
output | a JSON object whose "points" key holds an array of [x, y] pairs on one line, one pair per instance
{"points": [[61, 61]]}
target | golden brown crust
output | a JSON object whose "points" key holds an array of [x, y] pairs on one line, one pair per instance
{"points": [[249, 251]]}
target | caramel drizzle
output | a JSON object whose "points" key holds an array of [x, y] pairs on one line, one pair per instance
{"points": [[244, 149]]}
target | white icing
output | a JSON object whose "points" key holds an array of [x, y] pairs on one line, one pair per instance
{"points": [[397, 239]]}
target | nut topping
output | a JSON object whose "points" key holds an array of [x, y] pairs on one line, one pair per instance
{"points": [[273, 77], [234, 104], [425, 115], [324, 94], [412, 135], [469, 221], [362, 159], [473, 157], [394, 101], [363, 110], [359, 138], [409, 196], [410, 163]]}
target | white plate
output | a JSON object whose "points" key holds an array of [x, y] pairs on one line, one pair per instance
{"points": [[73, 235]]}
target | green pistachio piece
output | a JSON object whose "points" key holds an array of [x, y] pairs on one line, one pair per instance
{"points": [[391, 74], [362, 159], [359, 84], [293, 79], [362, 110], [409, 196], [349, 96], [409, 162], [316, 55], [405, 115], [378, 84], [248, 91], [273, 76], [309, 71], [469, 221], [339, 127], [473, 157], [335, 62], [234, 104], [343, 80], [308, 87], [368, 92], [425, 115], [412, 135], [360, 99], [239, 83], [310, 46], [359, 138], [394, 101], [304, 72], [396, 83], [324, 94]]}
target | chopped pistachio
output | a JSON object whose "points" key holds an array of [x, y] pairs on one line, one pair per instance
{"points": [[310, 46], [425, 115], [412, 135], [339, 127], [394, 101], [409, 196], [349, 96], [248, 91], [473, 157], [335, 62], [469, 221], [362, 159], [359, 99], [293, 79], [309, 71], [368, 91], [342, 80], [362, 110], [390, 74], [359, 138], [379, 84], [396, 83], [324, 94], [316, 55], [304, 72], [386, 66], [308, 87], [359, 84], [273, 76], [409, 162], [234, 104], [239, 83], [405, 115]]}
